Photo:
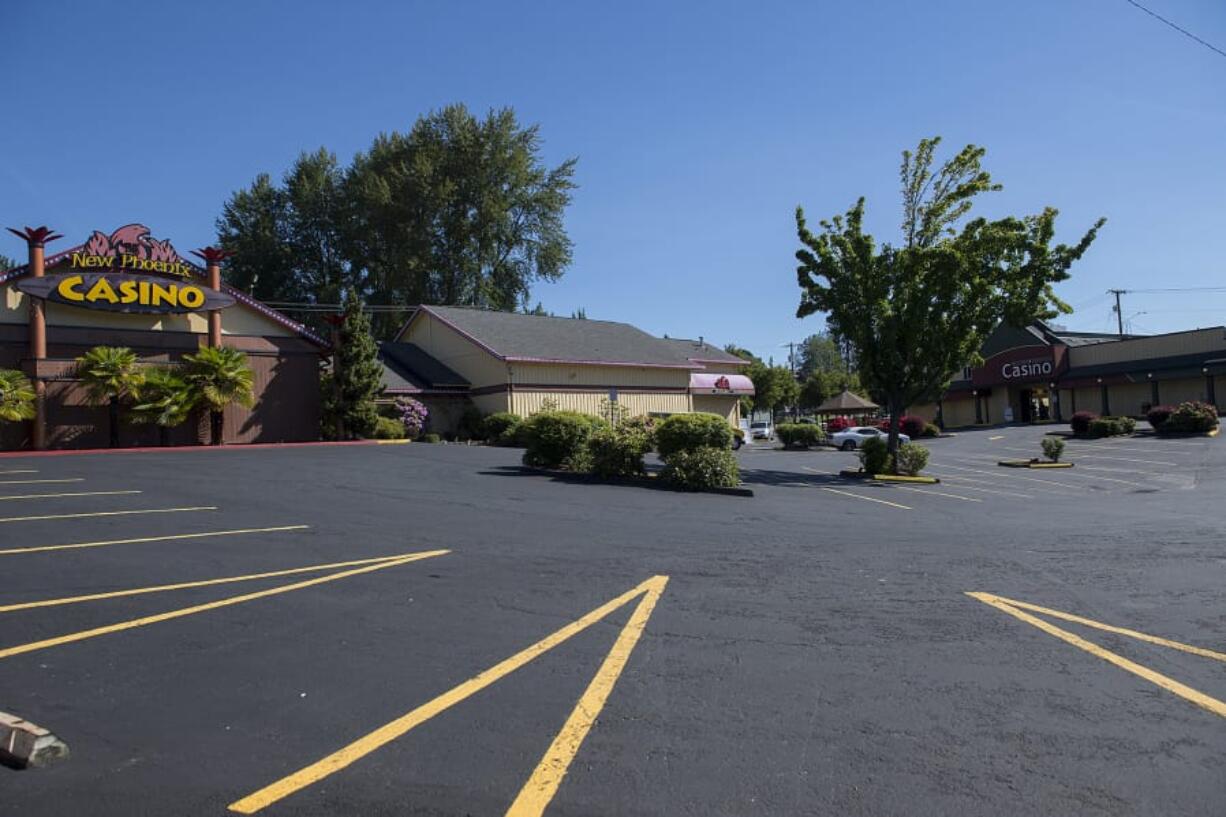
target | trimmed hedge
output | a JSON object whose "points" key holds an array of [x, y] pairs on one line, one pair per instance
{"points": [[558, 439], [618, 452], [911, 459], [931, 430], [701, 468], [431, 438], [501, 428], [388, 429], [799, 435], [1158, 415], [1111, 426], [643, 424], [1192, 417], [874, 456], [688, 432], [1080, 422]]}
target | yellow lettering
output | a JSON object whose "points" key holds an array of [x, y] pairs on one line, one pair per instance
{"points": [[191, 297], [144, 292], [102, 291], [127, 292], [168, 294], [67, 288]]}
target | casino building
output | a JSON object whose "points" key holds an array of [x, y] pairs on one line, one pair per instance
{"points": [[1040, 373], [127, 288]]}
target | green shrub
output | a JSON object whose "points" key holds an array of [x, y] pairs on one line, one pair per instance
{"points": [[558, 439], [618, 452], [701, 468], [911, 459], [874, 456], [1081, 420], [1053, 448], [471, 425], [501, 428], [431, 438], [931, 430], [799, 435], [1111, 426], [689, 432], [643, 423], [1192, 417], [388, 429]]}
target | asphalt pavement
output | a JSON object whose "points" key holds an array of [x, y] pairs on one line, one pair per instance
{"points": [[462, 637]]}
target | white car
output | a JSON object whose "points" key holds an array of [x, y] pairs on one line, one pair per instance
{"points": [[849, 439], [761, 431]]}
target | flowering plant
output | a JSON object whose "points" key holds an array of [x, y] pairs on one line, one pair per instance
{"points": [[413, 415]]}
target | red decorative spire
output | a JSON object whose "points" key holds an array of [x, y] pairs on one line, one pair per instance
{"points": [[212, 255], [35, 236]]}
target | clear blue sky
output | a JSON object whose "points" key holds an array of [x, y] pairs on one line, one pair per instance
{"points": [[698, 127]]}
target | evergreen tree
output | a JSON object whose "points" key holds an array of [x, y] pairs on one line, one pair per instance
{"points": [[351, 389]]}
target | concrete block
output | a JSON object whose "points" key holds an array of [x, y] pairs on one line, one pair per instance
{"points": [[24, 744]]}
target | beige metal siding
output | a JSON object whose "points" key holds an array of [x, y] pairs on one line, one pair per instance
{"points": [[958, 413], [723, 405], [1174, 392], [528, 402], [577, 375], [1179, 343], [456, 351]]}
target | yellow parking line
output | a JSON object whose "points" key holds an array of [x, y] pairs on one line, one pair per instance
{"points": [[105, 513], [71, 493], [39, 481], [363, 746], [1082, 453], [1170, 684], [8, 652], [937, 493], [162, 588], [1108, 628], [866, 498], [167, 538], [1014, 476], [534, 797]]}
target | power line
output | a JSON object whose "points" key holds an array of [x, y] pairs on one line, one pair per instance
{"points": [[1182, 31]]}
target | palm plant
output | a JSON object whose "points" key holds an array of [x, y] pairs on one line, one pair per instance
{"points": [[165, 400], [16, 396], [110, 375], [217, 377]]}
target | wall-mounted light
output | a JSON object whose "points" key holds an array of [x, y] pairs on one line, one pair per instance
{"points": [[1149, 376], [1100, 381]]}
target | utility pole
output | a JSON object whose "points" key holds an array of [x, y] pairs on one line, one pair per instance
{"points": [[1119, 313]]}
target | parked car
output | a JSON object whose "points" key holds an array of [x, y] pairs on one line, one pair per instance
{"points": [[762, 431], [852, 438]]}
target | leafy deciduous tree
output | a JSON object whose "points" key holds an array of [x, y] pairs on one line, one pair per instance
{"points": [[916, 313]]}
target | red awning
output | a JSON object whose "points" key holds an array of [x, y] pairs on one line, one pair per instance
{"points": [[720, 384]]}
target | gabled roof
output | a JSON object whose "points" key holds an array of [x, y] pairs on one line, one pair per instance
{"points": [[514, 336], [246, 300], [700, 351], [847, 401], [408, 369]]}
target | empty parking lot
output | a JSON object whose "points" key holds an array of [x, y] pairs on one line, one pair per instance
{"points": [[430, 630]]}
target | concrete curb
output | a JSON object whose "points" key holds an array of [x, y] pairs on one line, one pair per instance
{"points": [[860, 475], [1033, 464], [24, 744]]}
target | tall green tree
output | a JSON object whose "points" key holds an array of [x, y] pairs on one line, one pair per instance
{"points": [[915, 313], [7, 263], [218, 378], [16, 396], [819, 353], [111, 376], [350, 391]]}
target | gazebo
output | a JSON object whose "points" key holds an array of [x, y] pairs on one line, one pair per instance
{"points": [[847, 404]]}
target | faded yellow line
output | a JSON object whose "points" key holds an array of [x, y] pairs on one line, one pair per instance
{"points": [[167, 538], [363, 746], [162, 588], [105, 513], [866, 498], [38, 481], [1098, 625], [1083, 454], [70, 493], [20, 471], [8, 652], [937, 493], [1015, 476], [536, 794], [1170, 684]]}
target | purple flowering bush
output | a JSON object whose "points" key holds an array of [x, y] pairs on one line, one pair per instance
{"points": [[413, 415]]}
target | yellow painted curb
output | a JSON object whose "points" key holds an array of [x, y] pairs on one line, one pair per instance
{"points": [[899, 478], [1215, 431], [392, 442], [1029, 464]]}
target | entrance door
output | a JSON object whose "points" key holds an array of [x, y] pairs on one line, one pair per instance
{"points": [[1026, 399]]}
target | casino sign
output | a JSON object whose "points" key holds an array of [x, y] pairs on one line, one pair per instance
{"points": [[107, 273]]}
